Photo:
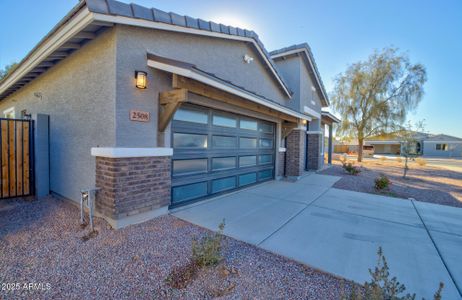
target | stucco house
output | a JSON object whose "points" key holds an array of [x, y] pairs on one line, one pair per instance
{"points": [[159, 110], [426, 144]]}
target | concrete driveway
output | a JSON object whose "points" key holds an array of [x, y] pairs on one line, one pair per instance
{"points": [[339, 231]]}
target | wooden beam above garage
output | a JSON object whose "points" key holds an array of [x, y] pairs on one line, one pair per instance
{"points": [[205, 90], [168, 104]]}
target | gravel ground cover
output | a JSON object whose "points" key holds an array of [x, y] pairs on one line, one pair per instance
{"points": [[423, 183], [43, 243]]}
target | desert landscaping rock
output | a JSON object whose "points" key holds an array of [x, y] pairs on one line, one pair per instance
{"points": [[423, 183], [41, 242]]}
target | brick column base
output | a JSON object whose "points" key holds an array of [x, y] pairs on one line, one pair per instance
{"points": [[314, 150], [132, 189], [295, 155]]}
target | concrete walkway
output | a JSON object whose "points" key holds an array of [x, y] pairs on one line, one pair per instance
{"points": [[339, 231]]}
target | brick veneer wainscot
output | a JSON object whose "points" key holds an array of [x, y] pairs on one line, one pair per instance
{"points": [[314, 149], [132, 185], [295, 155]]}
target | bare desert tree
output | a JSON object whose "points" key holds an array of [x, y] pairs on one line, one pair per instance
{"points": [[374, 96]]}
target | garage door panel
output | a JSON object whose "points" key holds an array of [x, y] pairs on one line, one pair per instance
{"points": [[227, 152]]}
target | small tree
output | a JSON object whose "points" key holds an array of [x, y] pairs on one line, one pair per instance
{"points": [[375, 95], [6, 70], [408, 136]]}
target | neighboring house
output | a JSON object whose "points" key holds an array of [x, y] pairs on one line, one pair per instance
{"points": [[159, 110], [429, 145]]}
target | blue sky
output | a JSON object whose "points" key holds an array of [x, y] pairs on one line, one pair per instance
{"points": [[339, 32]]}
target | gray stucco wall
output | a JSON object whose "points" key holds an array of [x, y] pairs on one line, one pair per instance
{"points": [[454, 149], [295, 72], [290, 69], [222, 57], [78, 94], [308, 97]]}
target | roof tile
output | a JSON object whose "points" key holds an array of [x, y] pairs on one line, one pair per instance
{"points": [[204, 25], [177, 19], [161, 16], [215, 27], [192, 22], [97, 6], [119, 8], [142, 12]]}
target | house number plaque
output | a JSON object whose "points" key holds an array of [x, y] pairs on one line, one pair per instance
{"points": [[140, 116]]}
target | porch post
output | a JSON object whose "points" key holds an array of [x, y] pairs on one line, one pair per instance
{"points": [[330, 146]]}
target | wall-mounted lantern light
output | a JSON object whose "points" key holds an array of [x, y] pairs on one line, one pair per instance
{"points": [[141, 78]]}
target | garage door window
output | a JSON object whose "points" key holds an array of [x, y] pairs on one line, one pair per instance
{"points": [[265, 174], [223, 184], [187, 140], [247, 179], [248, 124], [224, 142], [191, 115], [190, 191], [189, 166], [224, 121], [265, 127], [245, 161], [266, 143], [265, 159], [247, 143], [223, 163]]}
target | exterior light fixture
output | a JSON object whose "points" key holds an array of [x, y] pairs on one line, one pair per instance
{"points": [[141, 78], [304, 122]]}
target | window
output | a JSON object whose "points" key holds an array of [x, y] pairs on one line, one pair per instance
{"points": [[224, 142], [9, 113], [186, 140], [247, 179], [247, 143], [223, 184], [248, 124], [189, 192], [189, 166], [265, 127], [265, 174], [224, 121], [223, 163], [189, 115], [265, 159], [442, 147], [266, 143], [245, 161]]}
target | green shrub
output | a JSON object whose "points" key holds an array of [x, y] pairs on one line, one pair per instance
{"points": [[382, 182], [351, 169], [421, 162], [382, 287], [207, 250]]}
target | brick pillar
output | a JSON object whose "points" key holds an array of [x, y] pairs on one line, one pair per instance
{"points": [[133, 189], [314, 150], [295, 153]]}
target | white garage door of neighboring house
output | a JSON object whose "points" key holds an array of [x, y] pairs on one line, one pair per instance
{"points": [[216, 152]]}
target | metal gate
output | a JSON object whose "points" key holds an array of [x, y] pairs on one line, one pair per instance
{"points": [[17, 157]]}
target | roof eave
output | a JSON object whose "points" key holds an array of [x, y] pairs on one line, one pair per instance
{"points": [[325, 98]]}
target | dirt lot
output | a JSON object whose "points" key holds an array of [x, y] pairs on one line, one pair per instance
{"points": [[41, 242], [423, 183]]}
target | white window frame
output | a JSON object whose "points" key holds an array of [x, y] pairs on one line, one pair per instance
{"points": [[9, 111]]}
